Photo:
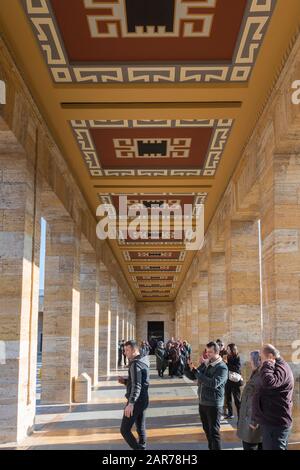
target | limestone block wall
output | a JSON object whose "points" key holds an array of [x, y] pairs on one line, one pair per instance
{"points": [[247, 272], [80, 311]]}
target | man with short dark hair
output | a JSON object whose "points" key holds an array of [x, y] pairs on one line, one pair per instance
{"points": [[137, 385], [212, 375], [272, 401]]}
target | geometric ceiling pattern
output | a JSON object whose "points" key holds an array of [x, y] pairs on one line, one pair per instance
{"points": [[152, 148], [152, 99], [201, 41], [148, 260]]}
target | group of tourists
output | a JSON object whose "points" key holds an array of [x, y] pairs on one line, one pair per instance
{"points": [[264, 408], [172, 355]]}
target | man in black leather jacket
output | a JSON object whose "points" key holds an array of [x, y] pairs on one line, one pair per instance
{"points": [[137, 385]]}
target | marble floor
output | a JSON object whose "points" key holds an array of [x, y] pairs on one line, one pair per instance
{"points": [[172, 420]]}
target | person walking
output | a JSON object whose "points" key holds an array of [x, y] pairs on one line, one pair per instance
{"points": [[247, 431], [137, 384], [188, 349], [144, 349], [161, 358], [174, 358], [123, 353], [120, 352], [272, 401], [234, 383], [212, 375]]}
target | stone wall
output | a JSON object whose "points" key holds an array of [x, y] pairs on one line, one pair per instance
{"points": [[35, 182], [244, 300]]}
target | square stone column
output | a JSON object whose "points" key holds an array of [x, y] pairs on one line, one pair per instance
{"points": [[132, 322], [280, 228], [104, 321], [243, 285], [203, 323], [182, 325], [188, 317], [89, 312], [177, 319], [217, 301], [114, 324], [122, 313], [61, 309], [19, 288], [194, 340], [126, 316]]}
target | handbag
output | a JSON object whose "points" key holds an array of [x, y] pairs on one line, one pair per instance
{"points": [[235, 377]]}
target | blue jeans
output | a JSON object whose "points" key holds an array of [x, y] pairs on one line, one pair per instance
{"points": [[275, 437]]}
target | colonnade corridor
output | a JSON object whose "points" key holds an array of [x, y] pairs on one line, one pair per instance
{"points": [[149, 191]]}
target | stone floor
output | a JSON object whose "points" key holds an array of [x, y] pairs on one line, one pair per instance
{"points": [[172, 420]]}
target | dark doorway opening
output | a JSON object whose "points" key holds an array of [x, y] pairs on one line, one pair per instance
{"points": [[155, 333]]}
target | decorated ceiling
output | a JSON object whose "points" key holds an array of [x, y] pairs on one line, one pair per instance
{"points": [[152, 99]]}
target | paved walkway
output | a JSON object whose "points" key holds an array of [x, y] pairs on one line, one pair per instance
{"points": [[172, 419]]}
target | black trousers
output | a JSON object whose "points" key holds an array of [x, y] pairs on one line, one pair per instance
{"points": [[173, 368], [211, 420], [248, 446], [139, 419], [275, 437], [120, 355], [232, 389], [161, 371]]}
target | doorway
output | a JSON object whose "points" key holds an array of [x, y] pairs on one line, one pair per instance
{"points": [[155, 333]]}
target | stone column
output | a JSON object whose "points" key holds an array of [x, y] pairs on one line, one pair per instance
{"points": [[19, 288], [61, 307], [131, 323], [217, 302], [203, 324], [127, 319], [280, 225], [104, 321], [195, 320], [134, 321], [182, 325], [114, 325], [122, 316], [182, 319], [189, 317], [243, 286], [89, 312], [177, 319]]}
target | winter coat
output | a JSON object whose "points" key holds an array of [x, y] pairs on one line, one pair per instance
{"points": [[211, 382], [272, 401], [137, 383], [161, 358], [244, 432]]}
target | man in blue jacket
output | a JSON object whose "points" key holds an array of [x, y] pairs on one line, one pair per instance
{"points": [[212, 375]]}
